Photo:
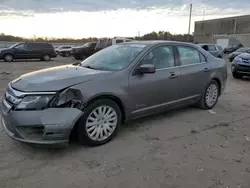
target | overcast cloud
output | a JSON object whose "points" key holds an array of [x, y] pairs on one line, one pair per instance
{"points": [[101, 5]]}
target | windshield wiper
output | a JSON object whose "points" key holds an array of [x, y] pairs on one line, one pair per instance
{"points": [[89, 67]]}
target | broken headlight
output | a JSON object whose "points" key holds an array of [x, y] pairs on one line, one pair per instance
{"points": [[70, 98], [34, 102]]}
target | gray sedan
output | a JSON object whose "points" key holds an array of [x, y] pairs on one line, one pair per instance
{"points": [[118, 84]]}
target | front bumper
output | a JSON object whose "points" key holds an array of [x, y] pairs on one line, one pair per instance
{"points": [[50, 127], [241, 69]]}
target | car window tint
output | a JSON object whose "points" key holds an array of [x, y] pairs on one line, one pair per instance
{"points": [[92, 45], [119, 41], [211, 48], [219, 47], [21, 47], [161, 57], [189, 55]]}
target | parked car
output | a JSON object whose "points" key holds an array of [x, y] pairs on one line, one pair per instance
{"points": [[238, 52], [213, 49], [28, 50], [232, 48], [106, 42], [115, 85], [64, 50], [82, 52], [241, 65]]}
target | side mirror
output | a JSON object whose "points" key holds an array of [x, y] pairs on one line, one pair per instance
{"points": [[146, 69]]}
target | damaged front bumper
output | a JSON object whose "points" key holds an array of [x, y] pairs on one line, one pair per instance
{"points": [[50, 126]]}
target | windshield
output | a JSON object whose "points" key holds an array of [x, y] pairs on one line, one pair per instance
{"points": [[14, 45], [87, 44], [242, 50], [114, 58]]}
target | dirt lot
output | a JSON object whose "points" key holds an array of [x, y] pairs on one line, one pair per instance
{"points": [[188, 148]]}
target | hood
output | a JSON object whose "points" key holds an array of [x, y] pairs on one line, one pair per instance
{"points": [[56, 78], [1, 49], [244, 56]]}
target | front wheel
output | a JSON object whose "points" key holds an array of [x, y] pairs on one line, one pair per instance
{"points": [[237, 76], [100, 122], [8, 57], [210, 96]]}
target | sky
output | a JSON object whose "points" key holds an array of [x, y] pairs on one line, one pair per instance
{"points": [[109, 18]]}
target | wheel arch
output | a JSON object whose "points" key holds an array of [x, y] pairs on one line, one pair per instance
{"points": [[219, 83], [112, 97]]}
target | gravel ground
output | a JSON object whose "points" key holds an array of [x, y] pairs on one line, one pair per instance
{"points": [[186, 148]]}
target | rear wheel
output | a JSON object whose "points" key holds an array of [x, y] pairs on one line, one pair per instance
{"points": [[8, 57], [100, 122], [237, 75], [66, 54], [45, 57], [210, 95]]}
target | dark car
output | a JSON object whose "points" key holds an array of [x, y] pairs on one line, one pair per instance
{"points": [[28, 50], [241, 66], [232, 48], [238, 52], [64, 50], [117, 84], [213, 49], [82, 52]]}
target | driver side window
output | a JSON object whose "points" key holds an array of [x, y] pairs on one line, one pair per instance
{"points": [[161, 57], [21, 47]]}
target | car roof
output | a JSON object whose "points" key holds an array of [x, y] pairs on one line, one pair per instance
{"points": [[156, 42], [208, 44]]}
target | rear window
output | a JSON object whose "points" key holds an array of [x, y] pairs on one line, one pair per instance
{"points": [[119, 41], [40, 45], [219, 48], [211, 48]]}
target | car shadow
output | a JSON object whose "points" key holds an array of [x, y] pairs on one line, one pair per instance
{"points": [[125, 130]]}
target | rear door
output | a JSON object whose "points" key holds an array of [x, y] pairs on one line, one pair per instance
{"points": [[34, 50], [194, 70]]}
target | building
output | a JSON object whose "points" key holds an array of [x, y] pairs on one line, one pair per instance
{"points": [[225, 31]]}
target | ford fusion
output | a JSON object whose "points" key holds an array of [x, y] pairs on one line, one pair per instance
{"points": [[115, 85]]}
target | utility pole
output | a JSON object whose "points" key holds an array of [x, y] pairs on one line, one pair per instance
{"points": [[190, 15]]}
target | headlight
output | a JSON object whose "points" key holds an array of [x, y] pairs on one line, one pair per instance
{"points": [[34, 102], [237, 59]]}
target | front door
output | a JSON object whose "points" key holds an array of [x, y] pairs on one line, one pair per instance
{"points": [[155, 91], [21, 51], [195, 72]]}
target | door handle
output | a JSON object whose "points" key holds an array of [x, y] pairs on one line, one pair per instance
{"points": [[206, 70], [172, 75]]}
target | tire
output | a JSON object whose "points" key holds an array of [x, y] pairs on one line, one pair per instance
{"points": [[91, 135], [8, 57], [236, 75], [66, 54], [46, 57], [204, 101]]}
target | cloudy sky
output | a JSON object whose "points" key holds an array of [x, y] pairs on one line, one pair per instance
{"points": [[109, 18]]}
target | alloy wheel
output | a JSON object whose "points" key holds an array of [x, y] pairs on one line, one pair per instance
{"points": [[211, 95], [101, 123]]}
